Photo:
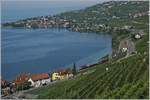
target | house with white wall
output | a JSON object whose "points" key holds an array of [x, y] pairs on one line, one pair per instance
{"points": [[39, 79]]}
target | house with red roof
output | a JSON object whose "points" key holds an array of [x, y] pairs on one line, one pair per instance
{"points": [[39, 79], [61, 74], [20, 79]]}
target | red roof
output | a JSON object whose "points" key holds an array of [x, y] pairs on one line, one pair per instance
{"points": [[21, 79], [61, 71], [40, 76]]}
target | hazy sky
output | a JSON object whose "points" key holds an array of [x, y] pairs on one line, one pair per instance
{"points": [[54, 0], [80, 2], [17, 9], [56, 3]]}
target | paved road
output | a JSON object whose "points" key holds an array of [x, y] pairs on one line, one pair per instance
{"points": [[129, 44]]}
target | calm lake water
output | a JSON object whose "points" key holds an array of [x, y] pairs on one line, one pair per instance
{"points": [[45, 50]]}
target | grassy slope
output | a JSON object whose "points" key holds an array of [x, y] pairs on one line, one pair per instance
{"points": [[125, 79]]}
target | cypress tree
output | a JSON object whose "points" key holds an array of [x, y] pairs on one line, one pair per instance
{"points": [[74, 69]]}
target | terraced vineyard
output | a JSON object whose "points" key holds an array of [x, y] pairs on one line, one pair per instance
{"points": [[122, 80]]}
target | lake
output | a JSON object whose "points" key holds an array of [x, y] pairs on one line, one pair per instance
{"points": [[46, 50]]}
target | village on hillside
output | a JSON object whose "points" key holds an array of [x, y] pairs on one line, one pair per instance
{"points": [[28, 81], [25, 81], [80, 21]]}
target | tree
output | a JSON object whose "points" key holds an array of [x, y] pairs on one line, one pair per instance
{"points": [[74, 71]]}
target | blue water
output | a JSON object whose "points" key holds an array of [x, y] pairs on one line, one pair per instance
{"points": [[45, 50]]}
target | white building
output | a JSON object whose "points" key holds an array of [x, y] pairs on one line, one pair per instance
{"points": [[137, 36], [124, 49], [39, 79]]}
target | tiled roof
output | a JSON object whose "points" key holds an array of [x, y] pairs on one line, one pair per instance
{"points": [[40, 76], [21, 79], [61, 72]]}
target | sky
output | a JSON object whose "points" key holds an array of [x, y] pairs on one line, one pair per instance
{"points": [[47, 2], [54, 0], [16, 9]]}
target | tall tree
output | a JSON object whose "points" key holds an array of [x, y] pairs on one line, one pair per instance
{"points": [[74, 71]]}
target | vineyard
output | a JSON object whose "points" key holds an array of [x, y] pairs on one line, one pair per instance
{"points": [[125, 79]]}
